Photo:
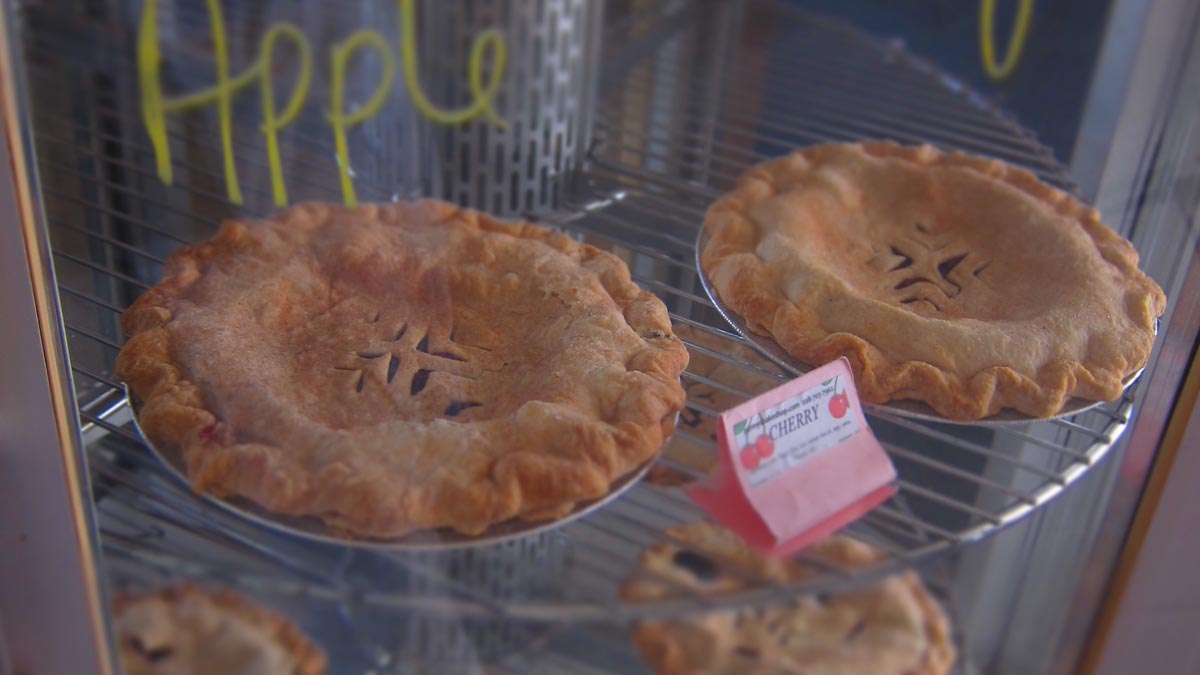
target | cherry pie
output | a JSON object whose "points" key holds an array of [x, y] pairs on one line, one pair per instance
{"points": [[891, 628], [951, 279]]}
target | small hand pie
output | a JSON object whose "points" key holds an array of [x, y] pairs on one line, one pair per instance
{"points": [[954, 280], [185, 630], [402, 367], [892, 628]]}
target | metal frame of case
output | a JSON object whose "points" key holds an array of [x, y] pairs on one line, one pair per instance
{"points": [[686, 103]]}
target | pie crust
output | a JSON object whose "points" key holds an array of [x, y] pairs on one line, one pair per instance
{"points": [[947, 278], [186, 630], [892, 628], [402, 367]]}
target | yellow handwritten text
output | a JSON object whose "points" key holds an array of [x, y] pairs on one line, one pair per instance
{"points": [[1016, 41], [272, 124], [481, 94], [337, 116], [156, 106]]}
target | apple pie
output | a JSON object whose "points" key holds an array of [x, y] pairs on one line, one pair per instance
{"points": [[402, 367], [893, 627], [186, 630], [946, 278]]}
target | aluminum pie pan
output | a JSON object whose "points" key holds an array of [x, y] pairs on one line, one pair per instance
{"points": [[442, 539], [911, 409]]}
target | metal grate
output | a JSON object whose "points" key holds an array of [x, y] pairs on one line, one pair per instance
{"points": [[717, 93], [553, 46]]}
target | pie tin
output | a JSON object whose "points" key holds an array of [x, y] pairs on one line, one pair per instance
{"points": [[912, 409], [443, 539]]}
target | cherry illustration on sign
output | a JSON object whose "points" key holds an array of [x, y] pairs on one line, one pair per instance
{"points": [[749, 457], [754, 453], [840, 403], [766, 446]]}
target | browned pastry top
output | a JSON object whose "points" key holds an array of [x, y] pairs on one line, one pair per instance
{"points": [[892, 628], [402, 367], [185, 630], [956, 280]]}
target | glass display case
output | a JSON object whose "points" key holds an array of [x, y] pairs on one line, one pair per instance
{"points": [[134, 129]]}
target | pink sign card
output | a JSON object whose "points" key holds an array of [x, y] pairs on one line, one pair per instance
{"points": [[796, 463]]}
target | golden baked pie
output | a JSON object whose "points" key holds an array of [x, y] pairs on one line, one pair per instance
{"points": [[951, 279], [401, 367], [186, 630], [891, 628]]}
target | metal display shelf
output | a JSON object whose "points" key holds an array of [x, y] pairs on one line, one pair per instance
{"points": [[716, 90]]}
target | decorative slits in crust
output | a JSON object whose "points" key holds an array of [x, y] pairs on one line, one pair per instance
{"points": [[925, 271], [395, 357]]}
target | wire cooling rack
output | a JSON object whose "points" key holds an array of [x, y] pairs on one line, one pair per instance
{"points": [[700, 99]]}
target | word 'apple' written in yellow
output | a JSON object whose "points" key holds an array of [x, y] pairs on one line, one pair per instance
{"points": [[156, 105]]}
